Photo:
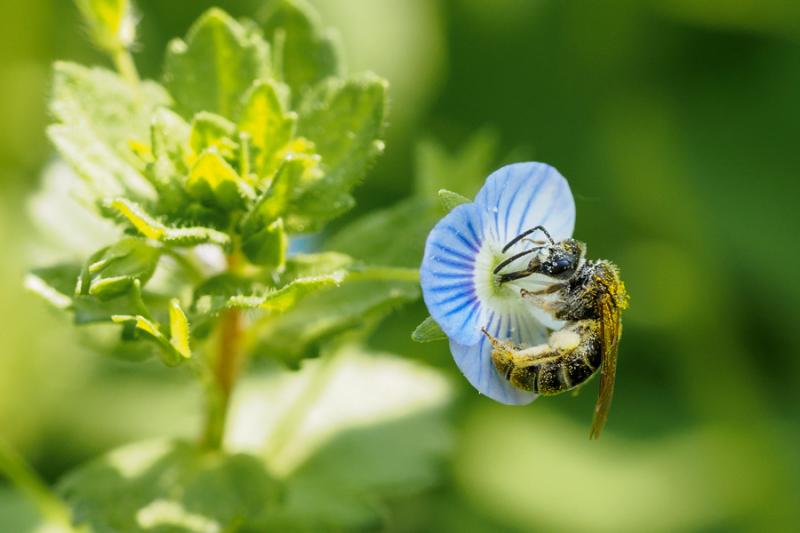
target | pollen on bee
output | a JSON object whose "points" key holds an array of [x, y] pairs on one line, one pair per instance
{"points": [[564, 340]]}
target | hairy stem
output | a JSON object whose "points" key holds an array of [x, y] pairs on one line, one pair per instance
{"points": [[224, 370]]}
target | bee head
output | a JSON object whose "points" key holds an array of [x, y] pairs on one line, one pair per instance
{"points": [[559, 260]]}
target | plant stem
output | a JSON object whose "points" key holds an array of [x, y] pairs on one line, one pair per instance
{"points": [[20, 473], [123, 61], [224, 370]]}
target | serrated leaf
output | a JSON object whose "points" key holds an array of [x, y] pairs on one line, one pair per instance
{"points": [[269, 126], [428, 331], [344, 119], [110, 24], [153, 229], [215, 183], [56, 284], [313, 320], [213, 68], [451, 200], [273, 300], [100, 114], [112, 270], [161, 486], [310, 265], [304, 53]]}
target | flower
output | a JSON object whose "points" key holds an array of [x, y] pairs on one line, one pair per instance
{"points": [[459, 286]]}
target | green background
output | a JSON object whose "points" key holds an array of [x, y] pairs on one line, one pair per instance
{"points": [[676, 124]]}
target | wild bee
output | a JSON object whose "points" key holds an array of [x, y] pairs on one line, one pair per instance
{"points": [[589, 296]]}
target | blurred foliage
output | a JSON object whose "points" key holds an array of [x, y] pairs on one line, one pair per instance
{"points": [[675, 125]]}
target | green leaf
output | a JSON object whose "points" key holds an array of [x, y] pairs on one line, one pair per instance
{"points": [[391, 236], [451, 200], [345, 120], [215, 183], [261, 229], [174, 350], [267, 246], [213, 68], [153, 229], [463, 171], [101, 116], [111, 271], [160, 486], [304, 54], [274, 301], [210, 131], [382, 433], [310, 265], [179, 329], [110, 23], [269, 126], [56, 284], [428, 331], [360, 300], [93, 310]]}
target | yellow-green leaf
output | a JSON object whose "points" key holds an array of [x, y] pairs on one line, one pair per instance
{"points": [[270, 126], [216, 64], [179, 329]]}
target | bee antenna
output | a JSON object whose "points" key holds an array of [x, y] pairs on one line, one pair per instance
{"points": [[525, 233], [513, 258]]}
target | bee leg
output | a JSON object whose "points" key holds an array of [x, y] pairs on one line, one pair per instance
{"points": [[550, 289]]}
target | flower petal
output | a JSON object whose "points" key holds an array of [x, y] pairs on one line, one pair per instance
{"points": [[475, 361], [447, 274], [520, 196]]}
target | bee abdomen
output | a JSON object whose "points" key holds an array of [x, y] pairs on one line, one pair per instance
{"points": [[557, 367]]}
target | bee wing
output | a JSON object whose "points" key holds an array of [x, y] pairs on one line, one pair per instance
{"points": [[610, 332]]}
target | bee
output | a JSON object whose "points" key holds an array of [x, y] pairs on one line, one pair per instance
{"points": [[589, 296]]}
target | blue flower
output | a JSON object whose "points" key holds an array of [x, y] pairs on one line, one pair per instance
{"points": [[458, 283]]}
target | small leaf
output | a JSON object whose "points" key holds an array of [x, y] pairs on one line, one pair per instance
{"points": [[216, 64], [153, 229], [428, 331], [93, 310], [450, 199], [179, 329], [270, 127], [112, 270], [56, 284], [169, 353], [292, 175], [215, 132], [310, 265], [267, 246], [306, 54], [110, 22], [214, 182], [284, 298]]}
